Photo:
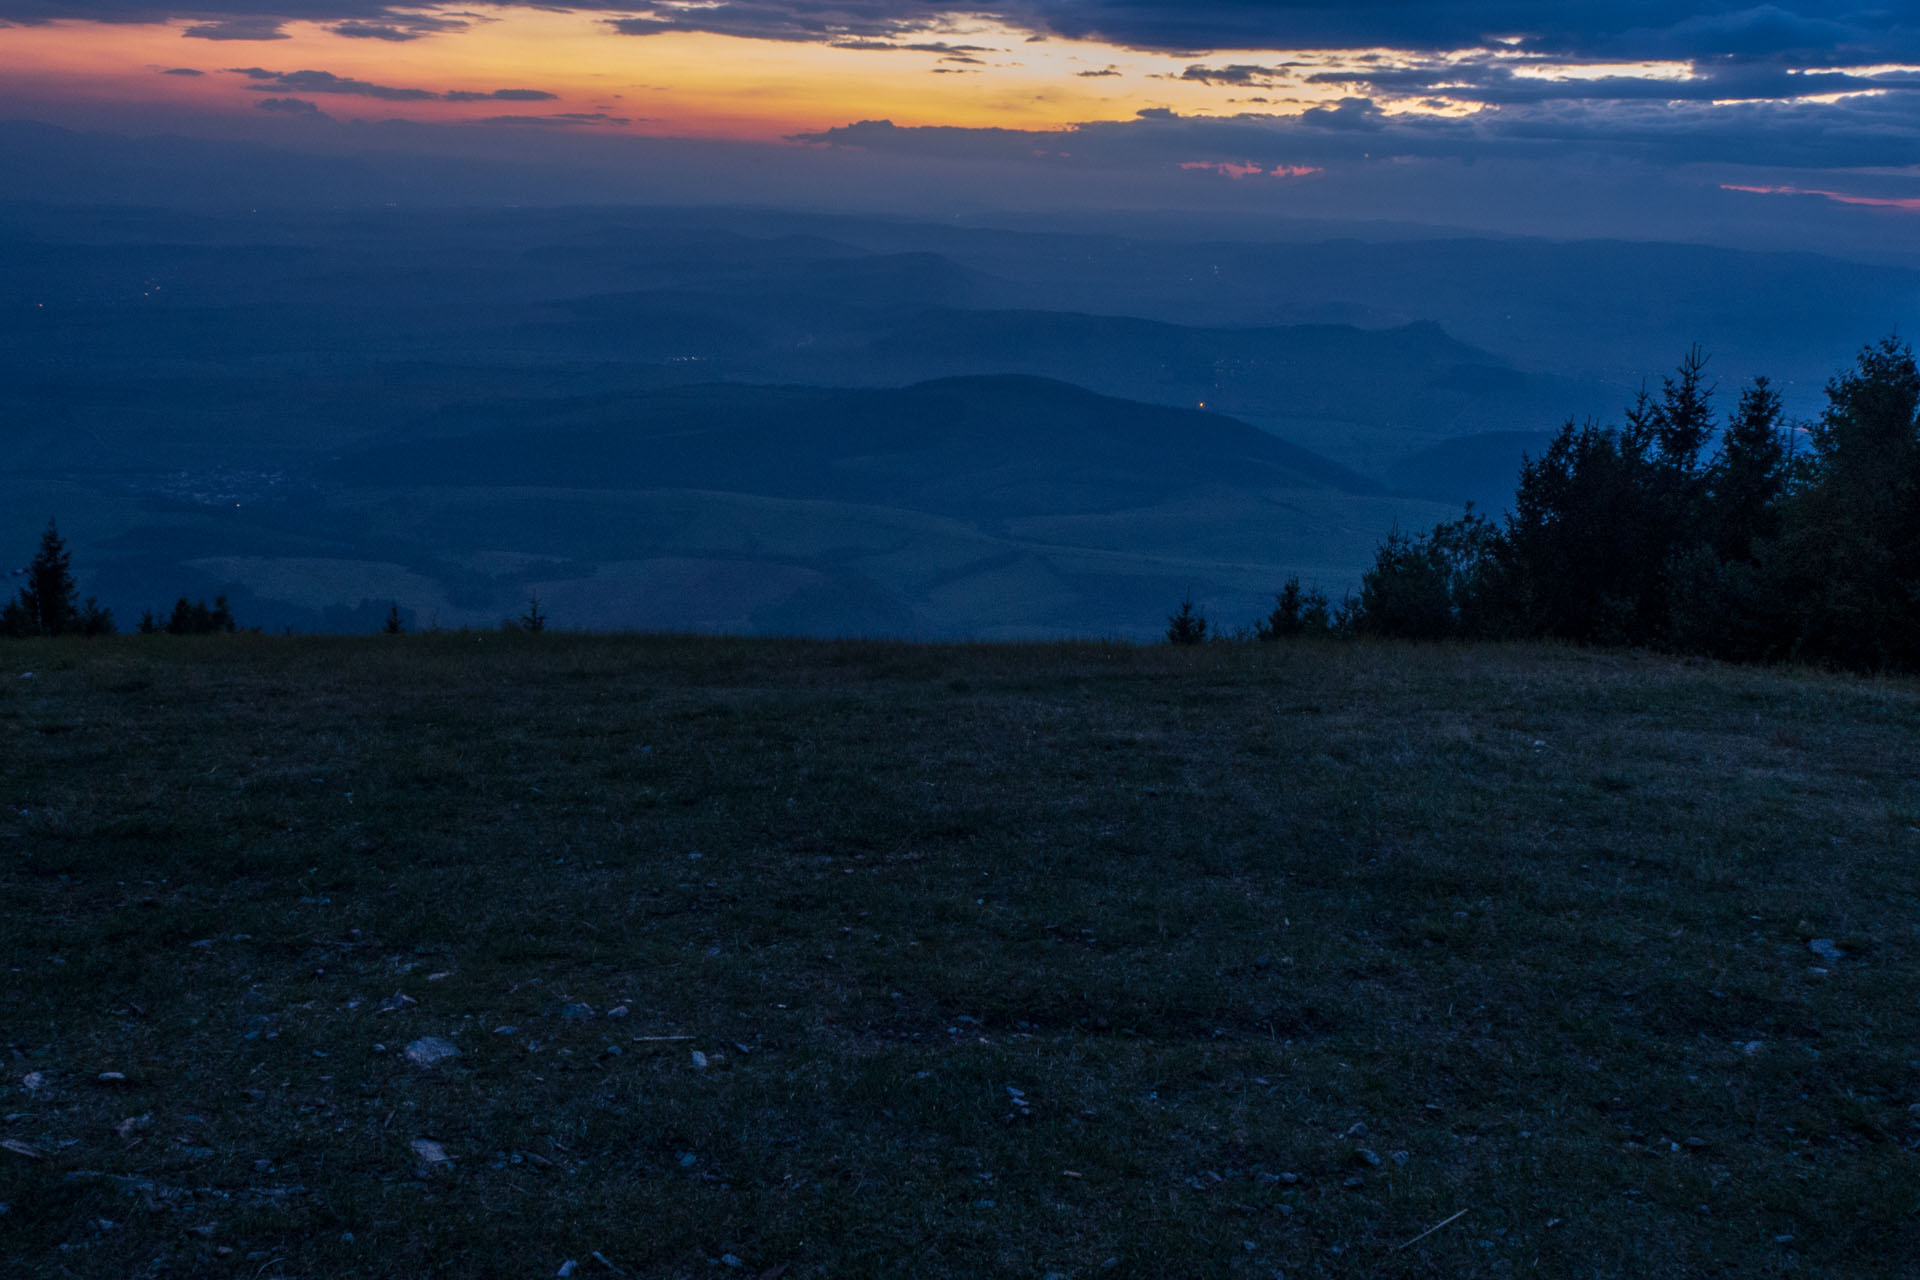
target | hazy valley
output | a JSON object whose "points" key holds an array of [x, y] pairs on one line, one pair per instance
{"points": [[785, 423]]}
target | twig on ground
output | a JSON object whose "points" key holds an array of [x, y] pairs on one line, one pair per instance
{"points": [[1429, 1231]]}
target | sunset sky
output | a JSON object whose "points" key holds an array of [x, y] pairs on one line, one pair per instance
{"points": [[1715, 107]]}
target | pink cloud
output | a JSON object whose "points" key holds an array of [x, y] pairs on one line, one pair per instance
{"points": [[1905, 204]]}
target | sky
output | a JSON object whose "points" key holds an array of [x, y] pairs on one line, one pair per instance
{"points": [[1797, 119]]}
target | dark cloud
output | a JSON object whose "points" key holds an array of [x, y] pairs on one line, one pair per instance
{"points": [[266, 81], [1095, 75], [327, 82], [237, 29], [1492, 82], [828, 21], [559, 119], [949, 52], [182, 71], [499, 95], [292, 107], [1851, 32], [401, 29], [1832, 32], [1762, 89], [376, 31], [1863, 133], [1239, 76], [1856, 31]]}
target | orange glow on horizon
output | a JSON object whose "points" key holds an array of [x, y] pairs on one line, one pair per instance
{"points": [[681, 84], [678, 84]]}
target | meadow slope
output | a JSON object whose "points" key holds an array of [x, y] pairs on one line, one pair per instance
{"points": [[779, 958]]}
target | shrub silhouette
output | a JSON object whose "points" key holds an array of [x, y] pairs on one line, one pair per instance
{"points": [[194, 618], [1296, 613]]}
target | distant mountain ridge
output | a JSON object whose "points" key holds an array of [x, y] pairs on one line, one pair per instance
{"points": [[985, 448]]}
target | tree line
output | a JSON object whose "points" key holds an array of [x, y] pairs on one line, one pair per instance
{"points": [[1785, 542], [49, 604]]}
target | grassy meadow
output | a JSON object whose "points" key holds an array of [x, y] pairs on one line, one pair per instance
{"points": [[785, 959]]}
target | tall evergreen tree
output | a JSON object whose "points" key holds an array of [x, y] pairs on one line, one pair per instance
{"points": [[1850, 560], [1748, 477], [1588, 538], [1683, 418], [49, 603]]}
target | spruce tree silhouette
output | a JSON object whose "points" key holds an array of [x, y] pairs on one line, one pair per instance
{"points": [[1186, 626], [50, 599]]}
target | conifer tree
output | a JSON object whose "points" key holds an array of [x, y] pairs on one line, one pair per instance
{"points": [[50, 601], [1683, 420], [1187, 626], [1749, 476], [1850, 559]]}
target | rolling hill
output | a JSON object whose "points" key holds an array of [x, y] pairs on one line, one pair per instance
{"points": [[983, 449]]}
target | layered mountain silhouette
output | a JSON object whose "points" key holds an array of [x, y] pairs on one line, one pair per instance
{"points": [[980, 448]]}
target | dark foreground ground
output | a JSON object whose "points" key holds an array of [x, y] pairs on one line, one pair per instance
{"points": [[774, 959]]}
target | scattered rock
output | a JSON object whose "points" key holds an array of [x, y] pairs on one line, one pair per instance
{"points": [[1752, 1047], [1366, 1157], [430, 1051], [34, 1080], [395, 1002], [133, 1124], [113, 1077], [1827, 949], [1359, 1130], [1354, 1183], [576, 1012], [433, 1156], [618, 1011], [567, 1268], [699, 1060], [1289, 1178], [20, 1148], [731, 1260]]}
